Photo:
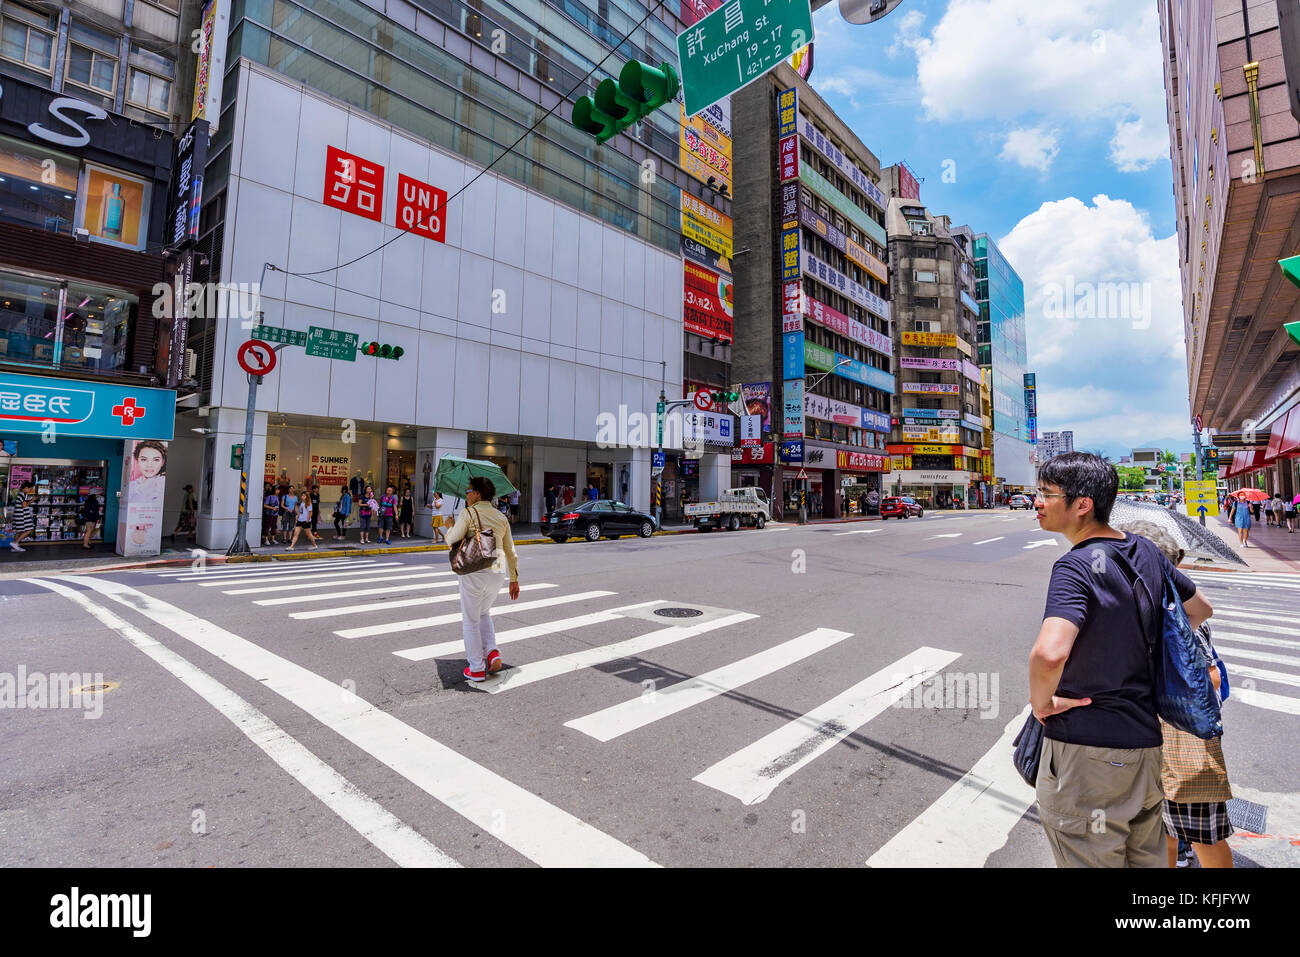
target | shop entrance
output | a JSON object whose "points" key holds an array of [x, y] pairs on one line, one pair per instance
{"points": [[600, 474], [62, 486], [400, 471]]}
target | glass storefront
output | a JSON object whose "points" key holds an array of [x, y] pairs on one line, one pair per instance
{"points": [[92, 336], [62, 486], [38, 186]]}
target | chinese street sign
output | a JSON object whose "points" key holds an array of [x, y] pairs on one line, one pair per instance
{"points": [[738, 43], [332, 344], [1200, 495], [292, 337]]}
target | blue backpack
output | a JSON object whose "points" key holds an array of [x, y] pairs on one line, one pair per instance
{"points": [[1185, 696]]}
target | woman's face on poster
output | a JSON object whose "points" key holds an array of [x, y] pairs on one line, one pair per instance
{"points": [[149, 461]]}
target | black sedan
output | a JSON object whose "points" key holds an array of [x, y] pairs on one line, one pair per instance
{"points": [[602, 518]]}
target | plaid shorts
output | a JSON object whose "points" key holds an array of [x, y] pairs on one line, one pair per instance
{"points": [[1203, 823]]}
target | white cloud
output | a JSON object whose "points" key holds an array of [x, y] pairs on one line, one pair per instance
{"points": [[1008, 59], [1103, 317], [1034, 148], [908, 33]]}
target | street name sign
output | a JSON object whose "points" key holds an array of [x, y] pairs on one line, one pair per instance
{"points": [[332, 344], [1198, 495], [291, 337], [738, 43]]}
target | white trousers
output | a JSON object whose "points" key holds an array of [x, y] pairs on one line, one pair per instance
{"points": [[478, 590]]}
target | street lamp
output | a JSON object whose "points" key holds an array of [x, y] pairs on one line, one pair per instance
{"points": [[809, 383]]}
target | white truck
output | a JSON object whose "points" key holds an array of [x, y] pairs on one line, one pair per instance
{"points": [[738, 506]]}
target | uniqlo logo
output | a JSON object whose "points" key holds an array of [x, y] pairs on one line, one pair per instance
{"points": [[353, 184], [421, 208]]}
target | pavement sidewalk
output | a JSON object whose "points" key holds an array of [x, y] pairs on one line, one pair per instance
{"points": [[1271, 549]]}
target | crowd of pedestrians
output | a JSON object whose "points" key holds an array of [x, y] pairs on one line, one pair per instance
{"points": [[293, 511]]}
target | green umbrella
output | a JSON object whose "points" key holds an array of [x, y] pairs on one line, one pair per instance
{"points": [[454, 473]]}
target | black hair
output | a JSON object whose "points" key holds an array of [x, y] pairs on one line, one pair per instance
{"points": [[483, 485], [1083, 475], [157, 447]]}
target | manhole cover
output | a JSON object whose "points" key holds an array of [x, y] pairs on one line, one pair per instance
{"points": [[678, 612], [1247, 815]]}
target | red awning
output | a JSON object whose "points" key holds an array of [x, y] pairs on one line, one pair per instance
{"points": [[1289, 445], [1275, 437], [1247, 461]]}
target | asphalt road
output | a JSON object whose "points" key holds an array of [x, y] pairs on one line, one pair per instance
{"points": [[842, 695]]}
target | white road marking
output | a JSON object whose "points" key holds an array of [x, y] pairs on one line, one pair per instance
{"points": [[948, 535], [753, 773], [387, 605], [457, 647], [1041, 542], [397, 627], [405, 846], [987, 540], [859, 531], [535, 828], [387, 590], [563, 664], [303, 586], [1240, 620], [304, 574], [636, 713], [243, 568], [1256, 639], [1281, 677], [1230, 653], [1262, 699], [971, 820]]}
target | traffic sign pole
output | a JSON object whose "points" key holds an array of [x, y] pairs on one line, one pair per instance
{"points": [[1196, 438]]}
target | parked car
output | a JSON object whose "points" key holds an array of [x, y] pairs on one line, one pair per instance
{"points": [[900, 507], [1021, 501], [603, 518]]}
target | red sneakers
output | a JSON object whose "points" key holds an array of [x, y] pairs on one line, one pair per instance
{"points": [[474, 675], [494, 662]]}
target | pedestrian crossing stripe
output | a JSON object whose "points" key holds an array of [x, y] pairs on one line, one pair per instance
{"points": [[392, 628], [1229, 653], [307, 575], [1263, 674], [242, 568], [753, 773], [268, 575], [403, 576], [1256, 639], [363, 592], [1262, 699], [391, 605]]}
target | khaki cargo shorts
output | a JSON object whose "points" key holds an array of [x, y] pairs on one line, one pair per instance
{"points": [[1101, 807]]}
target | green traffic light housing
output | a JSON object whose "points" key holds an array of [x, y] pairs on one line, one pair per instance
{"points": [[1291, 269], [724, 396], [640, 90], [382, 350]]}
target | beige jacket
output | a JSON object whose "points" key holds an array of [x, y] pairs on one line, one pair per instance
{"points": [[488, 517]]}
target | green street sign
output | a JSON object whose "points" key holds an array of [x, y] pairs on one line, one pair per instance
{"points": [[738, 43], [237, 456], [332, 344], [292, 337]]}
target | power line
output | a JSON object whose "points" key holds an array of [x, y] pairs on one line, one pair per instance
{"points": [[528, 132]]}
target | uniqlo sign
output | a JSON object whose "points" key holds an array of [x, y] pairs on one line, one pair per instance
{"points": [[421, 208], [353, 184]]}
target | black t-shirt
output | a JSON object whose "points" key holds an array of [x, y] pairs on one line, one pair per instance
{"points": [[1108, 662]]}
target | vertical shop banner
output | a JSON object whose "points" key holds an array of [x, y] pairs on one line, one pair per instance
{"points": [[331, 461], [792, 408], [789, 205], [706, 302], [792, 299], [787, 118], [757, 397], [788, 158], [271, 468], [790, 255], [792, 355], [140, 507]]}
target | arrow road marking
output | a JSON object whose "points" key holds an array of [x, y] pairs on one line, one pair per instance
{"points": [[987, 540], [1041, 542]]}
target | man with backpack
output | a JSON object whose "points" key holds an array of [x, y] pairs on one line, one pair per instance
{"points": [[1092, 676]]}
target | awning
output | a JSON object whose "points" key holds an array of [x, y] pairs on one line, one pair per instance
{"points": [[1289, 441], [1247, 461]]}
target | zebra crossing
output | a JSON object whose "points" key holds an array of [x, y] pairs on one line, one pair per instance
{"points": [[1256, 630], [749, 775]]}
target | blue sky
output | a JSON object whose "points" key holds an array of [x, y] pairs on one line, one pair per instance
{"points": [[1048, 119]]}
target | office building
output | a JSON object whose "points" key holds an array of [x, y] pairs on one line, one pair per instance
{"points": [[1052, 444]]}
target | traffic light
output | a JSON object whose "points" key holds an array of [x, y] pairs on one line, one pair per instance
{"points": [[1291, 269], [640, 90], [382, 350], [724, 398]]}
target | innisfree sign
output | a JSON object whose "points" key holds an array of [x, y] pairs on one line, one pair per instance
{"points": [[738, 43]]}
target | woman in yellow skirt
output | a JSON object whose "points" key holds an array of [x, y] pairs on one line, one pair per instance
{"points": [[438, 518]]}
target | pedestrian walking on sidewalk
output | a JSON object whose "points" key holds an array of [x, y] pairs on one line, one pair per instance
{"points": [[478, 590], [1090, 679], [406, 513], [314, 495], [342, 512], [89, 516], [24, 515], [1279, 510], [1289, 514], [288, 509], [270, 513], [367, 508], [387, 515], [1193, 773], [1241, 519], [439, 517], [304, 523]]}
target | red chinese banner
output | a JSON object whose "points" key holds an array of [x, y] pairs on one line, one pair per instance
{"points": [[788, 157], [421, 208], [706, 303], [353, 184]]}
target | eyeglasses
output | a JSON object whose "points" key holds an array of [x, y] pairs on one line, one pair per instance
{"points": [[1047, 495]]}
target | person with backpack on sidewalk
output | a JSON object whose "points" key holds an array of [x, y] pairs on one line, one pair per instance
{"points": [[1091, 680]]}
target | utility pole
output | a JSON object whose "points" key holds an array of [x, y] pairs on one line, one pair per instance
{"points": [[662, 415], [1196, 439], [240, 545]]}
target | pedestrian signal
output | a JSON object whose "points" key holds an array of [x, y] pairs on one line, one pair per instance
{"points": [[640, 90], [382, 350]]}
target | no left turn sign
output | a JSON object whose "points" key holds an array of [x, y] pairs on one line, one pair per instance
{"points": [[703, 401], [256, 357]]}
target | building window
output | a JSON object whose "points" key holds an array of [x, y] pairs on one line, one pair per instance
{"points": [[927, 302], [38, 187], [149, 91], [922, 275], [92, 59], [28, 37]]}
